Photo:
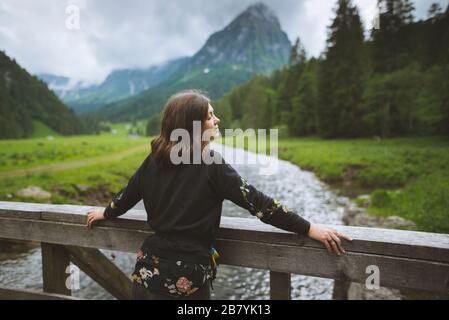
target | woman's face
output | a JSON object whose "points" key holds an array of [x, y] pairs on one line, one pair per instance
{"points": [[212, 122]]}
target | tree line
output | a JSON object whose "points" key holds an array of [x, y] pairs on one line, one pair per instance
{"points": [[393, 82], [25, 99]]}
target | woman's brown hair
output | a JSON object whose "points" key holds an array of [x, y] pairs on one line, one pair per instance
{"points": [[180, 112]]}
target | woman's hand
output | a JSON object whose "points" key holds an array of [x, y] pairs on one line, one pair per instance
{"points": [[329, 237], [94, 215]]}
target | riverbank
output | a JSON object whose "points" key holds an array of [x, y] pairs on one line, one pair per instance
{"points": [[405, 177]]}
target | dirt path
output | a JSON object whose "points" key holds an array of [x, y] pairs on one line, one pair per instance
{"points": [[59, 166]]}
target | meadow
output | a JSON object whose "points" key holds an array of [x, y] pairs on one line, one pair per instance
{"points": [[77, 170], [407, 177]]}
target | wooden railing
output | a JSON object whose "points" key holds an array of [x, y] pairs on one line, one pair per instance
{"points": [[406, 259]]}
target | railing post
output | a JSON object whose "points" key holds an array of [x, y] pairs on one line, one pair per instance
{"points": [[341, 287], [55, 260], [280, 286]]}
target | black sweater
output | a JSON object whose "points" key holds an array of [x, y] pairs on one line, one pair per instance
{"points": [[184, 202]]}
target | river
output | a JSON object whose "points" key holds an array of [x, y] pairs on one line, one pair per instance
{"points": [[295, 188]]}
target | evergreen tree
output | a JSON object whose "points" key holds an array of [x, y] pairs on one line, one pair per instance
{"points": [[392, 42], [289, 87], [224, 112], [342, 74], [304, 104], [153, 125], [390, 104], [435, 11], [294, 53], [302, 118]]}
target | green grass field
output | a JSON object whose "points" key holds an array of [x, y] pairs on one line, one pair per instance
{"points": [[65, 165], [376, 163], [42, 130], [103, 179], [408, 177], [25, 153]]}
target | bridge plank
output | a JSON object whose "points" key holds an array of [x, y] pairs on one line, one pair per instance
{"points": [[19, 294], [400, 243], [395, 272], [298, 258], [127, 240]]}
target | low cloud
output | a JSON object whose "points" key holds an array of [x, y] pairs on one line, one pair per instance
{"points": [[137, 34]]}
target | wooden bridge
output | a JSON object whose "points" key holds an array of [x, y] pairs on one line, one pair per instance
{"points": [[406, 259]]}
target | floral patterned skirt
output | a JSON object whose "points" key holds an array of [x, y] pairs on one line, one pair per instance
{"points": [[170, 277]]}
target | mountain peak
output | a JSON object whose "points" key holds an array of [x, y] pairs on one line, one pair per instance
{"points": [[260, 10], [254, 41]]}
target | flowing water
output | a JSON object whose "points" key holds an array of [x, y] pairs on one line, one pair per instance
{"points": [[295, 188]]}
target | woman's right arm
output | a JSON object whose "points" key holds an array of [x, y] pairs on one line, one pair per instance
{"points": [[230, 185], [122, 201]]}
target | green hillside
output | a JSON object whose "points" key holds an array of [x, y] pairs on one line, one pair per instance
{"points": [[24, 99]]}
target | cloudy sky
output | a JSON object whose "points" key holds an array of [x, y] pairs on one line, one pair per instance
{"points": [[46, 36]]}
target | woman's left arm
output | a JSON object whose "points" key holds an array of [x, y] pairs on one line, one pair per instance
{"points": [[231, 186]]}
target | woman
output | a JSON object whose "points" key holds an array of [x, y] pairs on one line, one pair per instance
{"points": [[183, 202]]}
